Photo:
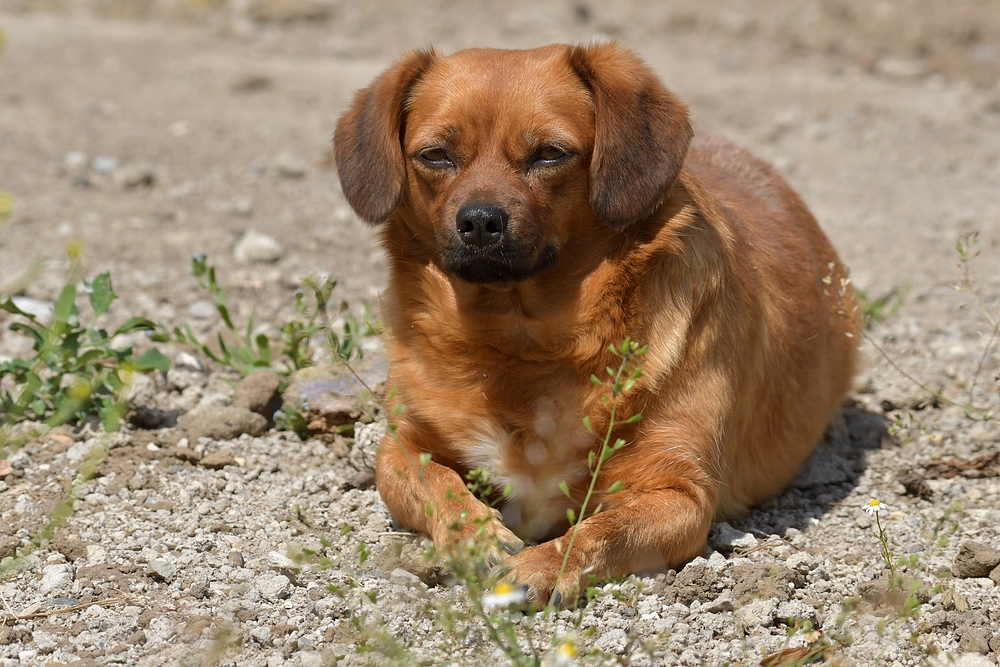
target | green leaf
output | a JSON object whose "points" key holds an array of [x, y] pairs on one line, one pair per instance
{"points": [[8, 305], [65, 308], [616, 487], [596, 380], [590, 459], [586, 425], [628, 384], [138, 324], [152, 359], [100, 293], [425, 458], [611, 371], [571, 515], [564, 487], [634, 418], [264, 348], [598, 509]]}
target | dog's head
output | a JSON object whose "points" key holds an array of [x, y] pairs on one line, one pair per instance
{"points": [[493, 158]]}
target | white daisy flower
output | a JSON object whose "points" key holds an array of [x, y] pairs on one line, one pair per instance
{"points": [[504, 595], [565, 655], [874, 507]]}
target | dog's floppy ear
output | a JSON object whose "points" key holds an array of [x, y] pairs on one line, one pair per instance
{"points": [[367, 143], [643, 134]]}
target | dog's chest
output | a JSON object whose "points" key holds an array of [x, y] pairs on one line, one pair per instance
{"points": [[531, 459]]}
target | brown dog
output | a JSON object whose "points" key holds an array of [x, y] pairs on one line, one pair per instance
{"points": [[537, 206]]}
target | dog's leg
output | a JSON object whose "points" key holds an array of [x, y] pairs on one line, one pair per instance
{"points": [[432, 498], [642, 531]]}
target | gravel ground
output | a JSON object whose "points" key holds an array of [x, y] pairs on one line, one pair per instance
{"points": [[148, 131]]}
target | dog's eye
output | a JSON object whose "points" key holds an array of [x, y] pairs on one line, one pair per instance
{"points": [[547, 155], [437, 158]]}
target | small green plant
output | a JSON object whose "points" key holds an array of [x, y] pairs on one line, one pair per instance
{"points": [[244, 351], [77, 370], [875, 310], [620, 381], [874, 508]]}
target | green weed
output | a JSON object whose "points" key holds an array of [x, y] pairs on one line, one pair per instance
{"points": [[78, 370]]}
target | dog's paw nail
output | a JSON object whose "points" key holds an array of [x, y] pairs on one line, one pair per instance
{"points": [[513, 547], [557, 599]]}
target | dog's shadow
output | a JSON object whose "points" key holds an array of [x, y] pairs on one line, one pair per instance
{"points": [[828, 477]]}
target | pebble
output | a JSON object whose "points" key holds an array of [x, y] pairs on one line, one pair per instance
{"points": [[134, 176], [258, 392], [218, 460], [975, 560], [202, 310], [257, 248], [163, 569], [189, 362], [758, 613], [722, 536], [289, 165], [55, 578], [273, 586], [105, 164], [221, 422]]}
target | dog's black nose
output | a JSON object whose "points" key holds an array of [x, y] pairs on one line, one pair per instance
{"points": [[481, 225]]}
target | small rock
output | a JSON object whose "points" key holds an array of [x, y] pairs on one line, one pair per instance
{"points": [[96, 555], [726, 538], [288, 11], [137, 638], [327, 396], [105, 164], [725, 602], [55, 578], [75, 161], [289, 165], [901, 68], [202, 310], [219, 459], [798, 610], [189, 362], [252, 83], [256, 248], [8, 543], [765, 580], [163, 569], [995, 575], [235, 559], [258, 392], [274, 586], [975, 560], [221, 422], [134, 176], [613, 641], [759, 613], [404, 578], [802, 562]]}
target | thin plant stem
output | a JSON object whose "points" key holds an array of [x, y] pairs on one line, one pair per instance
{"points": [[615, 391]]}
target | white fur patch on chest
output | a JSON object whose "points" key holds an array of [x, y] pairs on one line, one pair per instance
{"points": [[491, 448]]}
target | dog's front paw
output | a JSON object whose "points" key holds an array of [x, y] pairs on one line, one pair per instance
{"points": [[539, 568], [485, 539]]}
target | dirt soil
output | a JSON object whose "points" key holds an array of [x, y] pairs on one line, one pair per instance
{"points": [[145, 131]]}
